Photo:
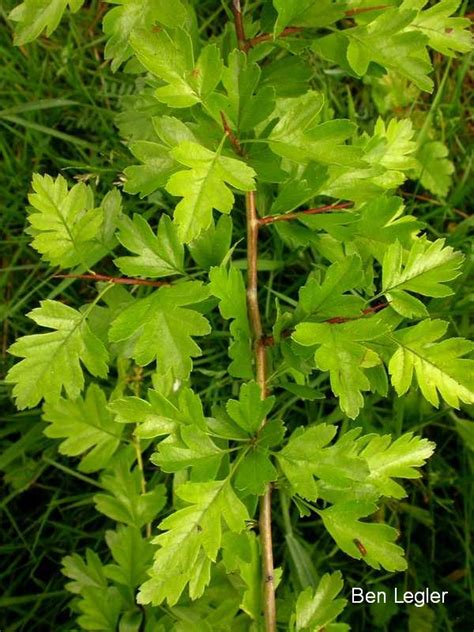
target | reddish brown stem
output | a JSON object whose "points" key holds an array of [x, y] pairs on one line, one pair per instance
{"points": [[239, 25], [268, 37], [231, 136], [270, 219], [111, 279], [293, 30]]}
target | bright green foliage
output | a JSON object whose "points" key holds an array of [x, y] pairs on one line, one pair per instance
{"points": [[366, 465], [99, 604], [87, 427], [344, 352], [157, 166], [212, 245], [313, 13], [203, 417], [203, 186], [245, 106], [298, 136], [425, 271], [126, 501], [321, 301], [161, 327], [375, 539], [435, 170], [392, 146], [316, 610], [383, 221], [53, 361], [169, 56], [192, 540], [397, 39], [438, 366], [387, 41], [189, 447], [132, 555], [63, 222], [121, 21], [398, 459], [445, 34], [250, 410], [156, 417], [307, 456], [156, 255], [36, 16], [227, 284]]}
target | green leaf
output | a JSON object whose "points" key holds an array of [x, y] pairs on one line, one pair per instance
{"points": [[168, 54], [311, 13], [120, 21], [255, 472], [161, 327], [63, 223], [227, 284], [153, 174], [387, 41], [381, 223], [157, 162], [434, 170], [245, 107], [36, 16], [204, 186], [250, 409], [189, 447], [307, 456], [370, 541], [322, 301], [428, 266], [445, 34], [299, 137], [213, 244], [397, 459], [86, 426], [125, 501], [438, 366], [132, 555], [52, 361], [392, 146], [99, 605], [316, 609], [241, 552], [192, 540], [156, 255], [299, 188], [342, 352], [155, 418]]}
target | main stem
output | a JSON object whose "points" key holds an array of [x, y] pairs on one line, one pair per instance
{"points": [[265, 519]]}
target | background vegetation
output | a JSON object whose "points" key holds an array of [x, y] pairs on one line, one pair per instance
{"points": [[59, 110]]}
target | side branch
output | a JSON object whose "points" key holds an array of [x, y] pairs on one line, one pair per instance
{"points": [[239, 25], [271, 219], [231, 136], [112, 279], [293, 30]]}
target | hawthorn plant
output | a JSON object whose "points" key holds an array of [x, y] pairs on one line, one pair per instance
{"points": [[207, 391]]}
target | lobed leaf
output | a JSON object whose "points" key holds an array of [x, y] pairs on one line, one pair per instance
{"points": [[53, 361]]}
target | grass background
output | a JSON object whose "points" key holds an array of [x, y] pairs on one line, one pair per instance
{"points": [[58, 102]]}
